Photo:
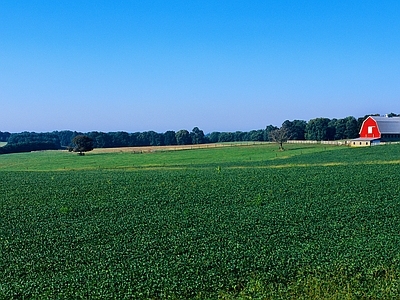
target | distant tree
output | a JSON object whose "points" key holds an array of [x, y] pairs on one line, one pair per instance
{"points": [[240, 136], [197, 136], [317, 129], [214, 137], [4, 136], [101, 139], [170, 138], [267, 132], [338, 128], [226, 137], [142, 139], [256, 135], [66, 136], [28, 147], [119, 138], [81, 144], [155, 138], [183, 137], [33, 137], [296, 129], [351, 130], [280, 136]]}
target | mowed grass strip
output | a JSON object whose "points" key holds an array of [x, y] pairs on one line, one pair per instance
{"points": [[190, 158], [242, 156]]}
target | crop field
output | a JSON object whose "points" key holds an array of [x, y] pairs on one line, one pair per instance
{"points": [[226, 223]]}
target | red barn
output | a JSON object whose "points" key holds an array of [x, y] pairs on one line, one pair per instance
{"points": [[375, 129]]}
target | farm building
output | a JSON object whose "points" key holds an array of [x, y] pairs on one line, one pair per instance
{"points": [[376, 129]]}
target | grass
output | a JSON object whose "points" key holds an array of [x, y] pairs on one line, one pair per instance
{"points": [[209, 157], [248, 222], [255, 156]]}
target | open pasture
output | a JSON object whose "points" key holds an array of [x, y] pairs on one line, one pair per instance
{"points": [[161, 158], [230, 223]]}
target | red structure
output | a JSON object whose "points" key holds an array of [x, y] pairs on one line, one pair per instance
{"points": [[370, 129], [377, 128]]}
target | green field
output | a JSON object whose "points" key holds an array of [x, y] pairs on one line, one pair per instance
{"points": [[199, 158], [230, 223]]}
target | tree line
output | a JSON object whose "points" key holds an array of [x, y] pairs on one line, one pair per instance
{"points": [[320, 129]]}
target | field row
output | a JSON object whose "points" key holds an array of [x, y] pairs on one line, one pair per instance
{"points": [[207, 232]]}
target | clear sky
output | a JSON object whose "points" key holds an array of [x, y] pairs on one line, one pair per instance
{"points": [[218, 65]]}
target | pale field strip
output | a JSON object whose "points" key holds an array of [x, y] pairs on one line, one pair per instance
{"points": [[148, 149]]}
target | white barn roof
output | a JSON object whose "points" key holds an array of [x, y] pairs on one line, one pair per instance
{"points": [[388, 125]]}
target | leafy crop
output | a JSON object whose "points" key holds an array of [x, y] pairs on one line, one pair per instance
{"points": [[226, 232]]}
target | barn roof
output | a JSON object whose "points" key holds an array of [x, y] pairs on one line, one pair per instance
{"points": [[388, 125]]}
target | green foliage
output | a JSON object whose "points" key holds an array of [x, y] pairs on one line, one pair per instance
{"points": [[308, 226], [317, 129], [183, 137], [4, 136], [33, 137], [27, 147], [82, 143]]}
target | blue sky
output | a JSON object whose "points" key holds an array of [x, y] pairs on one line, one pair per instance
{"points": [[218, 65]]}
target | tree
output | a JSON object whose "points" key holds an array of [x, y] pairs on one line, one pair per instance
{"points": [[240, 136], [317, 129], [296, 129], [170, 138], [279, 136], [256, 135], [82, 143], [267, 132], [33, 137], [4, 136], [351, 131], [197, 136], [226, 137], [214, 137], [28, 147], [183, 137], [339, 128]]}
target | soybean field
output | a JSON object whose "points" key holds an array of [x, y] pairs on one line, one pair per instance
{"points": [[236, 223]]}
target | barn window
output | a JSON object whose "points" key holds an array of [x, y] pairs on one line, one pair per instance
{"points": [[370, 129]]}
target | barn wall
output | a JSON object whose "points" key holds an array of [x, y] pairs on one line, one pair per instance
{"points": [[369, 129]]}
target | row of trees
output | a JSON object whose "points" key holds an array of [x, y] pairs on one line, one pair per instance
{"points": [[27, 147], [4, 136], [147, 138], [315, 129]]}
